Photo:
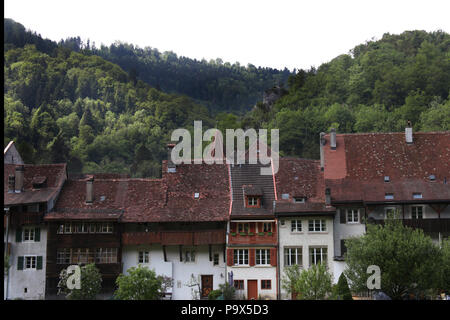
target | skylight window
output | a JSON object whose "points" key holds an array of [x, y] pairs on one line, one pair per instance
{"points": [[432, 177], [299, 200], [285, 196], [387, 179], [389, 196], [196, 195], [417, 195]]}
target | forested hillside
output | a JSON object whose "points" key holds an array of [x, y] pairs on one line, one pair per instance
{"points": [[219, 86], [377, 87], [64, 103], [60, 105]]}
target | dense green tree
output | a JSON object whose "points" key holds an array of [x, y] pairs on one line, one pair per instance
{"points": [[90, 284]]}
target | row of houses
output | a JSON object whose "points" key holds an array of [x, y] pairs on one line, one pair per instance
{"points": [[203, 225]]}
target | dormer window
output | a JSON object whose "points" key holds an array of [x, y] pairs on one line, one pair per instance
{"points": [[417, 195], [299, 199], [253, 202]]}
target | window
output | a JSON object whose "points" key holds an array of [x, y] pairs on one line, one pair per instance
{"points": [[317, 225], [189, 255], [243, 227], [92, 228], [262, 256], [216, 259], [106, 227], [352, 215], [417, 212], [317, 255], [67, 227], [83, 255], [241, 257], [144, 256], [106, 255], [239, 284], [196, 195], [63, 256], [253, 202], [267, 227], [285, 196], [30, 262], [28, 234], [432, 177], [296, 225], [266, 284], [293, 256], [60, 229], [386, 179], [389, 212], [299, 200], [389, 196], [343, 247], [417, 195]]}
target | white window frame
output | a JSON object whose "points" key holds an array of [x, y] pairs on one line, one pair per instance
{"points": [[266, 226], [352, 210], [68, 227], [252, 201], [243, 224], [295, 226], [31, 257], [144, 256], [262, 257], [316, 252], [242, 257], [31, 234], [299, 199], [293, 252], [189, 255], [417, 206], [322, 225], [66, 252]]}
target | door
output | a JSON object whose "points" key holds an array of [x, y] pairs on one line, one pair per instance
{"points": [[252, 289], [207, 285]]}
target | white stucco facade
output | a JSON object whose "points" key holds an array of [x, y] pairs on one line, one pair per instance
{"points": [[257, 273], [28, 283], [303, 241], [180, 271]]}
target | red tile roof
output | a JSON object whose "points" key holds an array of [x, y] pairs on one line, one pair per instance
{"points": [[55, 175], [168, 199], [300, 178], [355, 171]]}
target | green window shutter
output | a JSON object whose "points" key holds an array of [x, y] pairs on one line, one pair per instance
{"points": [[39, 263], [19, 235], [37, 234], [19, 263]]}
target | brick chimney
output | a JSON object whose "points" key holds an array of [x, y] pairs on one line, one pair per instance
{"points": [[11, 183], [171, 167], [90, 189], [333, 139], [409, 133], [19, 178], [322, 142]]}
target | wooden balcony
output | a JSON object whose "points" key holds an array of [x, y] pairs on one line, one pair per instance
{"points": [[253, 238], [427, 225], [175, 237]]}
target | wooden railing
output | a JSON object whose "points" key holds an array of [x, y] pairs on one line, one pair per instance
{"points": [[427, 225], [175, 237]]}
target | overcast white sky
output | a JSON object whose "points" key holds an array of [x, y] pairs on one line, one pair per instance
{"points": [[275, 33]]}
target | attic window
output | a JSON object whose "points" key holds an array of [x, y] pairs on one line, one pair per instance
{"points": [[432, 177], [196, 195], [299, 200], [387, 179], [253, 202], [285, 196], [389, 196], [417, 195]]}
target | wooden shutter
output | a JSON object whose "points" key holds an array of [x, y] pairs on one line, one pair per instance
{"points": [[343, 247], [20, 263], [19, 234], [343, 218], [233, 226], [251, 257], [39, 263], [37, 234], [273, 257], [229, 257]]}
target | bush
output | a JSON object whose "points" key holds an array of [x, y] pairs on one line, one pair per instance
{"points": [[90, 284], [214, 294], [342, 289]]}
